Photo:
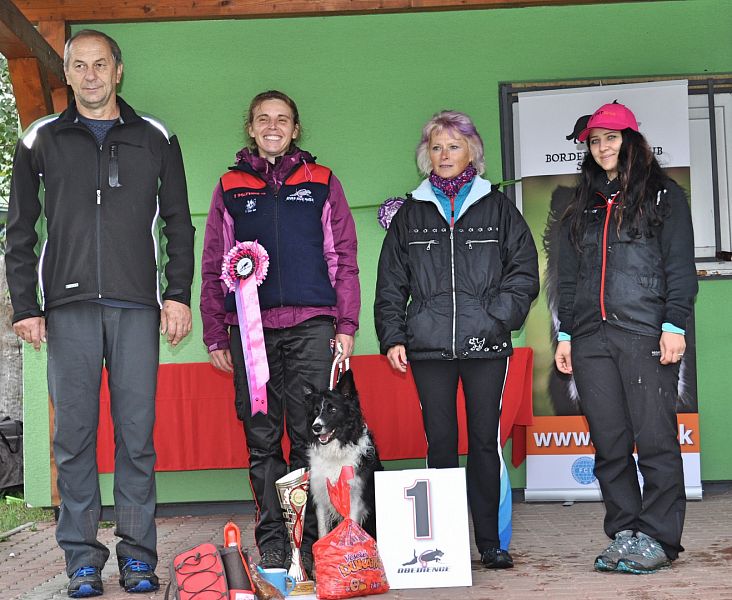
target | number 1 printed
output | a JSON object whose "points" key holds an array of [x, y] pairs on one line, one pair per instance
{"points": [[419, 494]]}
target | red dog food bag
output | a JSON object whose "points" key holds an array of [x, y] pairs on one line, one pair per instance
{"points": [[347, 561]]}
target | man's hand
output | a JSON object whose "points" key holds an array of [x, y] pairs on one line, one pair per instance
{"points": [[672, 347], [397, 356], [346, 343], [563, 357], [31, 330], [221, 359], [175, 321]]}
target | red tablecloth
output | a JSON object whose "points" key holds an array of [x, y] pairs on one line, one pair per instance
{"points": [[197, 427]]}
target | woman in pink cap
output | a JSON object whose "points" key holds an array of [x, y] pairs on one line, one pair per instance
{"points": [[627, 282]]}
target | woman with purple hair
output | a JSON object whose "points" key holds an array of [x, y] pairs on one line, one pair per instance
{"points": [[457, 273]]}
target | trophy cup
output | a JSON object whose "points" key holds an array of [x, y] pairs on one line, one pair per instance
{"points": [[292, 490]]}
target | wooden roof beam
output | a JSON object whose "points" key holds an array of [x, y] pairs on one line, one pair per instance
{"points": [[93, 11], [19, 39]]}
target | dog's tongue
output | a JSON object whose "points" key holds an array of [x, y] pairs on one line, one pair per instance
{"points": [[325, 437]]}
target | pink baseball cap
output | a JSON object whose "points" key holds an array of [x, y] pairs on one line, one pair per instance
{"points": [[610, 116]]}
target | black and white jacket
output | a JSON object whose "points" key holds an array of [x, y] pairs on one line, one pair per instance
{"points": [[100, 208], [454, 293]]}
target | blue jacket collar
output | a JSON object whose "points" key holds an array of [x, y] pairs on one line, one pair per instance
{"points": [[425, 193]]}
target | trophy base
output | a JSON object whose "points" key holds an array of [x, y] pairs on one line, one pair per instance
{"points": [[303, 588]]}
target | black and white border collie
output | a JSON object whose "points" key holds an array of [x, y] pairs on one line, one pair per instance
{"points": [[340, 438]]}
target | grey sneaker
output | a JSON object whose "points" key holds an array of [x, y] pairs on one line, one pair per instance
{"points": [[646, 557], [621, 546]]}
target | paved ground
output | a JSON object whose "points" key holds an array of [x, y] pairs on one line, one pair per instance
{"points": [[553, 546]]}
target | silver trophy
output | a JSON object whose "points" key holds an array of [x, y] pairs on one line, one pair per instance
{"points": [[292, 490]]}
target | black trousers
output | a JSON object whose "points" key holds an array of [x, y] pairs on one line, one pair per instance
{"points": [[296, 355], [629, 399], [483, 381]]}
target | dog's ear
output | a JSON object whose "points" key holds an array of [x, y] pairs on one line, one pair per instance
{"points": [[346, 385]]}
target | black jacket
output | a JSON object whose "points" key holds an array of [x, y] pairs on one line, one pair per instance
{"points": [[634, 283], [101, 208], [469, 286]]}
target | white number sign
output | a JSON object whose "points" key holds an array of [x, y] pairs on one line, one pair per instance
{"points": [[422, 528]]}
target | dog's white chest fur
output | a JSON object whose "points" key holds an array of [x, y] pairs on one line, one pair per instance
{"points": [[326, 463]]}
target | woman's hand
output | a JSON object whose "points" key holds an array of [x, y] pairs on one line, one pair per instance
{"points": [[346, 342], [221, 359], [672, 347], [397, 356], [563, 357]]}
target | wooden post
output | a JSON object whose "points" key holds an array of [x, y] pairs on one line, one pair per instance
{"points": [[56, 34]]}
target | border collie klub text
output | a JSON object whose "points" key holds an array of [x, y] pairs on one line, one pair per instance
{"points": [[340, 438]]}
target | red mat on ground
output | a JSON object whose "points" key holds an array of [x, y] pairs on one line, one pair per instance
{"points": [[197, 427]]}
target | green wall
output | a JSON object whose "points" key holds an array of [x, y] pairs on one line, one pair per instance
{"points": [[365, 85]]}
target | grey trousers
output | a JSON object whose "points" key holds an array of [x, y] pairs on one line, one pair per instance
{"points": [[82, 337]]}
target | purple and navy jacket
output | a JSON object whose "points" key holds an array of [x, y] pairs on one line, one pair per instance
{"points": [[297, 210]]}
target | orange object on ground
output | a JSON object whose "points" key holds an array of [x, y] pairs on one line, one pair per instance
{"points": [[347, 561]]}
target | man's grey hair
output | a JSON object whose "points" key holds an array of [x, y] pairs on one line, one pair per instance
{"points": [[93, 33]]}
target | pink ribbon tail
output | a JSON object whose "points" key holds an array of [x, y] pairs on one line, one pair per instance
{"points": [[252, 341]]}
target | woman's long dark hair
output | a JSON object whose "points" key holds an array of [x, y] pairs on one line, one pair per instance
{"points": [[640, 177]]}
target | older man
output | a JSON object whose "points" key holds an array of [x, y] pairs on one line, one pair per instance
{"points": [[98, 176]]}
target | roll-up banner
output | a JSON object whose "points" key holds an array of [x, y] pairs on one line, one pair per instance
{"points": [[560, 455]]}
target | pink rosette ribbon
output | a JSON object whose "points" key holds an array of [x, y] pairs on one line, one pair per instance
{"points": [[243, 269]]}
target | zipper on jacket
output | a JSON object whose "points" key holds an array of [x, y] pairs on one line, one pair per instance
{"points": [[114, 166], [99, 221], [454, 298], [428, 242], [470, 243], [276, 194], [277, 242], [608, 211]]}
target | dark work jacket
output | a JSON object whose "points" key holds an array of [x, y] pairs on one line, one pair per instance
{"points": [[447, 293], [287, 223], [101, 205], [634, 283]]}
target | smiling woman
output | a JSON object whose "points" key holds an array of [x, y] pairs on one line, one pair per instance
{"points": [[296, 209], [627, 283], [605, 147], [273, 124]]}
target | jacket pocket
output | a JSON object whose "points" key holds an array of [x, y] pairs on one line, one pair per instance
{"points": [[426, 243], [469, 243]]}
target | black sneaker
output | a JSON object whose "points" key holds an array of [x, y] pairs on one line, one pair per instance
{"points": [[496, 558], [272, 558], [85, 583], [136, 576]]}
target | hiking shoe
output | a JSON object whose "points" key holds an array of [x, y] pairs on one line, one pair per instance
{"points": [[647, 556], [272, 558], [85, 583], [621, 546], [136, 577], [496, 558]]}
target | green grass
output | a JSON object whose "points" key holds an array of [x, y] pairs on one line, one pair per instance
{"points": [[14, 512]]}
